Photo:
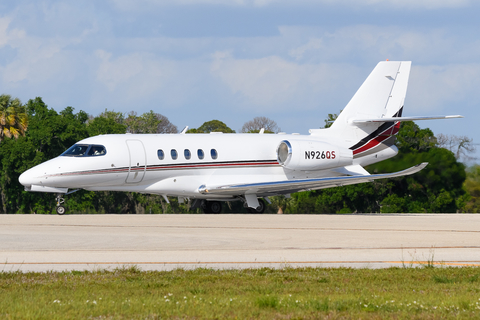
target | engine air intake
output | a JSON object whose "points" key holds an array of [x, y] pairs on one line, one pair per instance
{"points": [[312, 155]]}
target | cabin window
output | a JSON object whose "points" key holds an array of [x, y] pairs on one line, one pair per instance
{"points": [[214, 154], [187, 154], [96, 150], [160, 154], [200, 154], [174, 154]]}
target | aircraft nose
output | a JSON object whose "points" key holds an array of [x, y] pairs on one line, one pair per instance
{"points": [[26, 178]]}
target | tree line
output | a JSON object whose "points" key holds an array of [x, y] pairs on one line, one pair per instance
{"points": [[33, 133]]}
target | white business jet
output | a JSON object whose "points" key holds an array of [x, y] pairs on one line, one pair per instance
{"points": [[207, 169]]}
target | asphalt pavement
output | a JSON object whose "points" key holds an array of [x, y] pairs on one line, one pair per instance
{"points": [[166, 242]]}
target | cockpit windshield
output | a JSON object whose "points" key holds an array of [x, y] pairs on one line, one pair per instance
{"points": [[85, 150]]}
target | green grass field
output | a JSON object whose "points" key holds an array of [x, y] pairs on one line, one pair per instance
{"points": [[289, 293]]}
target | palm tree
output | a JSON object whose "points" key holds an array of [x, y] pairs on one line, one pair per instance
{"points": [[13, 117]]}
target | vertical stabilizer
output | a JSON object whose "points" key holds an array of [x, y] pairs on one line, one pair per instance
{"points": [[381, 96]]}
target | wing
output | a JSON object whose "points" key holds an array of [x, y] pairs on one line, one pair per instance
{"points": [[263, 189]]}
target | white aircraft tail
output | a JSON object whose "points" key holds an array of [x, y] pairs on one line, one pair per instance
{"points": [[370, 121], [366, 122], [381, 95]]}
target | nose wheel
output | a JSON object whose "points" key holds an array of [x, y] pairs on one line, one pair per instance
{"points": [[60, 202], [60, 210], [60, 207]]}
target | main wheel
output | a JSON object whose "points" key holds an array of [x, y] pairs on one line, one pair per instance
{"points": [[213, 207], [61, 210], [260, 209]]}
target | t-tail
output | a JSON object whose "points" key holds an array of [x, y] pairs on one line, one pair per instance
{"points": [[372, 118]]}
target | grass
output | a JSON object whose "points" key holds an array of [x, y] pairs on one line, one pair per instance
{"points": [[289, 293]]}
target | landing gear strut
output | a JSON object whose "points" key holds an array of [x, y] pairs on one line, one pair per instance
{"points": [[60, 207]]}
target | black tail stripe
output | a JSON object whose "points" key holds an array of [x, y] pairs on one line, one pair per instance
{"points": [[375, 133]]}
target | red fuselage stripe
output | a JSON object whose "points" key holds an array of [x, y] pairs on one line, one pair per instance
{"points": [[170, 167]]}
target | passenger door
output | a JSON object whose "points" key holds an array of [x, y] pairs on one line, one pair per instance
{"points": [[137, 161]]}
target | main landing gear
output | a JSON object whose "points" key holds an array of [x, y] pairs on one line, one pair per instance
{"points": [[212, 207], [215, 207], [260, 209]]}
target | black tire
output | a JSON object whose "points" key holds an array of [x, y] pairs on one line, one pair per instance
{"points": [[261, 207], [214, 207], [61, 210]]}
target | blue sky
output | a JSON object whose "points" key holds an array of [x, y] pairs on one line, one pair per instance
{"points": [[233, 60]]}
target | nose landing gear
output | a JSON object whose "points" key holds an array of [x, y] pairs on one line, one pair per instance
{"points": [[60, 207]]}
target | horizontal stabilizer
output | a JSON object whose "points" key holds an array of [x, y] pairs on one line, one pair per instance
{"points": [[270, 188], [358, 121]]}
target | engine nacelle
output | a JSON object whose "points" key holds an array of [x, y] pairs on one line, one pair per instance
{"points": [[312, 155]]}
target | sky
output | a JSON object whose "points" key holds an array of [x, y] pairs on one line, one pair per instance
{"points": [[232, 60]]}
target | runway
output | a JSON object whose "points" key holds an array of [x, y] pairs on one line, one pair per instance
{"points": [[165, 242]]}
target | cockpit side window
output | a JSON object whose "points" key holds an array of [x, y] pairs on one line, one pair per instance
{"points": [[77, 150], [85, 150], [96, 150]]}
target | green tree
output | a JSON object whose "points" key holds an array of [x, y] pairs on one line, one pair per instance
{"points": [[412, 139], [149, 122], [437, 188], [331, 119], [212, 126], [118, 117], [472, 185], [255, 125], [165, 126], [104, 125], [280, 203], [13, 117], [462, 146], [49, 134]]}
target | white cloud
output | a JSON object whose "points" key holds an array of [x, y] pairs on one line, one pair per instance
{"points": [[375, 43], [434, 87], [8, 36], [96, 64], [427, 4], [314, 44], [134, 75], [36, 59], [274, 84]]}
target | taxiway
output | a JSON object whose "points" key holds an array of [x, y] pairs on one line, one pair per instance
{"points": [[165, 242]]}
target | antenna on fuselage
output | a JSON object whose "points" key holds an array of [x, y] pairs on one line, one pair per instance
{"points": [[184, 130]]}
